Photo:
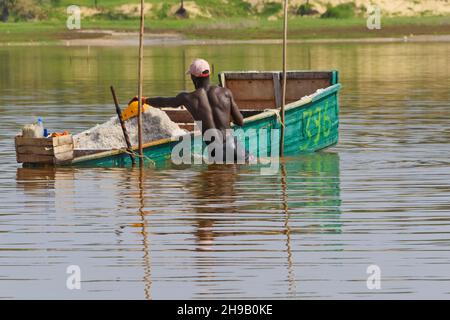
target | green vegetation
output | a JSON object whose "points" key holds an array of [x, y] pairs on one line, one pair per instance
{"points": [[31, 10], [271, 8], [20, 10], [306, 9], [218, 8], [340, 11], [162, 13]]}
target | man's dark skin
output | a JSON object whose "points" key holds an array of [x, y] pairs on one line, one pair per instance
{"points": [[214, 106]]}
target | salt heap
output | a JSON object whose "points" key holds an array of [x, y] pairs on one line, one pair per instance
{"points": [[106, 136]]}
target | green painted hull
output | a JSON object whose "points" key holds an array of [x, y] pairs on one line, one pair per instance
{"points": [[312, 124]]}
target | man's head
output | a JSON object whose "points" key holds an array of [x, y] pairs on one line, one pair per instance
{"points": [[199, 71]]}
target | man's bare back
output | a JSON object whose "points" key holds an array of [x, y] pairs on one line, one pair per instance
{"points": [[213, 106]]}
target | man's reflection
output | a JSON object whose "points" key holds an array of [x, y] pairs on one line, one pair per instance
{"points": [[214, 193]]}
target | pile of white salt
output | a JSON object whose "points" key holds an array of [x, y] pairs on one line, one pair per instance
{"points": [[106, 136]]}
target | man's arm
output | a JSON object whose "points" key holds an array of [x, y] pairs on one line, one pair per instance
{"points": [[235, 113], [173, 102]]}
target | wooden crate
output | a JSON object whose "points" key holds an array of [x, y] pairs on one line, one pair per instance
{"points": [[55, 150]]}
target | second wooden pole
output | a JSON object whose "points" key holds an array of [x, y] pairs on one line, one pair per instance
{"points": [[140, 80], [283, 97]]}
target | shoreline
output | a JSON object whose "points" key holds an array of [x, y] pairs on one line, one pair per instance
{"points": [[170, 32], [110, 38]]}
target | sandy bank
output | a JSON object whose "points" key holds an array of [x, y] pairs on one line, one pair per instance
{"points": [[131, 39]]}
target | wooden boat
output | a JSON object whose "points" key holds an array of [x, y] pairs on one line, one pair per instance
{"points": [[311, 117]]}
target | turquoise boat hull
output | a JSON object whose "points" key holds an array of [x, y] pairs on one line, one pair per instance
{"points": [[311, 124]]}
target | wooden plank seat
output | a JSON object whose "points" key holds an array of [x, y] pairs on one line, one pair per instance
{"points": [[254, 90]]}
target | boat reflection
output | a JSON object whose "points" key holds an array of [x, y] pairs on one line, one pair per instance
{"points": [[226, 215], [306, 193], [305, 186]]}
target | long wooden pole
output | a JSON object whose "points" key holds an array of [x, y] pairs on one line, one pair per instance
{"points": [[140, 80], [124, 128], [283, 97], [145, 241]]}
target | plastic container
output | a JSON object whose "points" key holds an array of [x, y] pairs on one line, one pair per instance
{"points": [[40, 125]]}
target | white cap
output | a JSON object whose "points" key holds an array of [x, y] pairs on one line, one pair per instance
{"points": [[199, 68]]}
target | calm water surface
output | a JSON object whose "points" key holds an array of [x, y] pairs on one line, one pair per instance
{"points": [[382, 196]]}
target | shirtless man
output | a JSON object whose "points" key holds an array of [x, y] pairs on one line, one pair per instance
{"points": [[214, 106]]}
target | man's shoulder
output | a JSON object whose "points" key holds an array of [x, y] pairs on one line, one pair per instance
{"points": [[218, 90], [197, 93], [194, 97], [201, 92], [185, 96]]}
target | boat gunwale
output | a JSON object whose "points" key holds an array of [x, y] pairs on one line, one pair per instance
{"points": [[270, 112]]}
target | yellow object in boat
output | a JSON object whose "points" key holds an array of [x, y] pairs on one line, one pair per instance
{"points": [[132, 110]]}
